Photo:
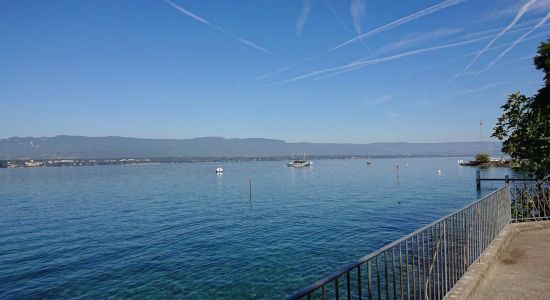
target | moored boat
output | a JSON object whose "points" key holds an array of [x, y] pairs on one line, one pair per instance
{"points": [[301, 163]]}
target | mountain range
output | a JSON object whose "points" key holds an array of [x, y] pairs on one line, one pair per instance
{"points": [[64, 146]]}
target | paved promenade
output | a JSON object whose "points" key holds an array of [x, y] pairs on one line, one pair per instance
{"points": [[522, 270]]}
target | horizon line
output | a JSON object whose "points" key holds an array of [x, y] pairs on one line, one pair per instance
{"points": [[248, 138]]}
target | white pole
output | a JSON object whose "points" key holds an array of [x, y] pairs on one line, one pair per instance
{"points": [[481, 134]]}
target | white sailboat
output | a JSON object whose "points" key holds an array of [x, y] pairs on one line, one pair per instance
{"points": [[300, 163]]}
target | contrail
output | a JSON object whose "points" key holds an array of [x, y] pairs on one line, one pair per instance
{"points": [[359, 63], [404, 20], [519, 27], [279, 70], [304, 15], [362, 63], [516, 42], [391, 25], [473, 53], [359, 6], [206, 22], [417, 38], [518, 16], [357, 12], [483, 88], [290, 66]]}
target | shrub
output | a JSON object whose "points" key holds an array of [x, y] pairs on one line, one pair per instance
{"points": [[482, 158]]}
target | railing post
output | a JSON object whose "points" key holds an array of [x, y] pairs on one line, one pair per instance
{"points": [[478, 180], [445, 260], [448, 247]]}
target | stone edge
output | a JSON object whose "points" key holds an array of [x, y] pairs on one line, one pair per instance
{"points": [[469, 282], [465, 288]]}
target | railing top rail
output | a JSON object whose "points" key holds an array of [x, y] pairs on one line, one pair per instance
{"points": [[314, 286]]}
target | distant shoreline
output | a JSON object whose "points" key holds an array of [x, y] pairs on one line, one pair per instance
{"points": [[79, 147], [80, 162]]}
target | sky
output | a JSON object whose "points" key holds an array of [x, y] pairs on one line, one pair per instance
{"points": [[342, 71]]}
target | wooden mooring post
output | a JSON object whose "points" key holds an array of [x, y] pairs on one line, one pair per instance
{"points": [[250, 188]]}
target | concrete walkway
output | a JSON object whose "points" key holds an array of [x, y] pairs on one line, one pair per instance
{"points": [[522, 269]]}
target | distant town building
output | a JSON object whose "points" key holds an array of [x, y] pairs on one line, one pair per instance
{"points": [[34, 164]]}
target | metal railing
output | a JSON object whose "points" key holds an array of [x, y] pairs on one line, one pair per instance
{"points": [[424, 264], [531, 202]]}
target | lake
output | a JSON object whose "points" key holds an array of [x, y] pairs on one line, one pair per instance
{"points": [[181, 231]]}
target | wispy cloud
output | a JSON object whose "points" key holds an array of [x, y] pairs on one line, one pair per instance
{"points": [[423, 102], [516, 42], [451, 60], [361, 63], [357, 64], [508, 63], [518, 16], [279, 70], [484, 87], [517, 28], [290, 66], [304, 15], [343, 24], [417, 38], [512, 9], [401, 21], [368, 104], [331, 74], [523, 69], [392, 114], [357, 12], [282, 69], [337, 16], [505, 64], [209, 24]]}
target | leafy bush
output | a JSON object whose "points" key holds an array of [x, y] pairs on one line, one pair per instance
{"points": [[482, 158]]}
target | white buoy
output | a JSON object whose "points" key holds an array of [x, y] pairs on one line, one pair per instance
{"points": [[439, 172], [219, 170]]}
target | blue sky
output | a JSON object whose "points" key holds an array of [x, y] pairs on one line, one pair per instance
{"points": [[356, 71]]}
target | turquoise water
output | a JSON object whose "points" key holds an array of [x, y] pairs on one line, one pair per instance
{"points": [[181, 231]]}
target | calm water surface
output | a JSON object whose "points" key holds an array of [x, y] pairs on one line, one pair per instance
{"points": [[181, 231]]}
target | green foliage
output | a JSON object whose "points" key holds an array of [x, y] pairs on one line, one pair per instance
{"points": [[482, 158], [524, 127]]}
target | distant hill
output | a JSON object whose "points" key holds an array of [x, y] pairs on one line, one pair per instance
{"points": [[114, 147]]}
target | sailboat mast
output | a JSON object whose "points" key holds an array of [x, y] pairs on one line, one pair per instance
{"points": [[481, 134]]}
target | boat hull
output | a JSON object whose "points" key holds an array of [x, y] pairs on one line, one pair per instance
{"points": [[300, 164]]}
